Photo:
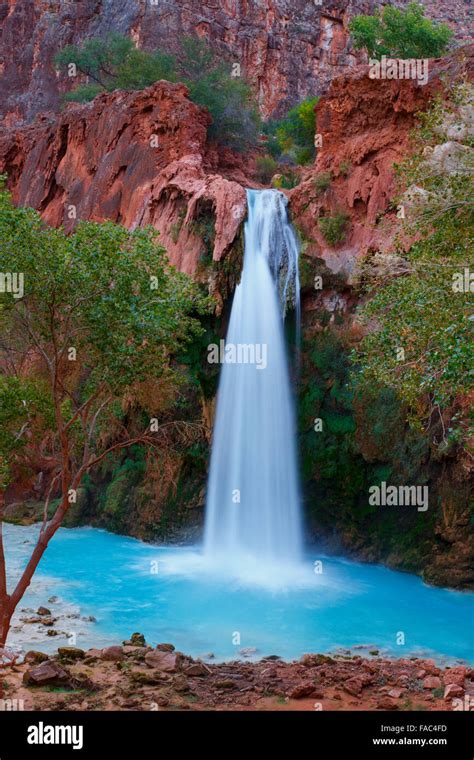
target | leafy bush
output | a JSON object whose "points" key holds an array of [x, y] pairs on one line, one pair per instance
{"points": [[334, 227], [400, 33], [322, 181], [293, 136], [424, 312], [345, 167], [266, 168], [115, 63]]}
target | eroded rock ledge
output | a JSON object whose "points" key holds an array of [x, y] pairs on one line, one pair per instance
{"points": [[135, 158]]}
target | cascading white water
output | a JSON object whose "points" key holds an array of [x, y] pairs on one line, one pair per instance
{"points": [[252, 511]]}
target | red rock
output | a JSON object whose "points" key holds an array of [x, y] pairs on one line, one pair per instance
{"points": [[164, 661], [386, 703], [353, 686], [456, 675], [55, 164], [368, 127], [197, 669], [112, 654], [301, 691], [452, 690], [432, 682], [395, 693], [48, 672], [35, 657], [165, 647]]}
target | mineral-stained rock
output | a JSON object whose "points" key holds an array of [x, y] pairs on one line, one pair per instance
{"points": [[71, 653], [288, 50], [365, 124], [165, 647], [36, 657], [48, 672], [133, 157]]}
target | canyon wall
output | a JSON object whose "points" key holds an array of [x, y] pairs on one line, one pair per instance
{"points": [[134, 158], [288, 49]]}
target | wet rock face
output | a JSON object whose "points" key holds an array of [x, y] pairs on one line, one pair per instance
{"points": [[135, 158], [288, 48]]}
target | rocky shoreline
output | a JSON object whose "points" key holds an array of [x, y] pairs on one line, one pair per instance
{"points": [[136, 676]]}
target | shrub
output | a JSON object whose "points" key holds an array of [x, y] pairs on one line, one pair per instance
{"points": [[322, 181], [115, 63], [425, 312], [293, 136], [345, 167], [400, 33], [266, 168], [334, 227]]}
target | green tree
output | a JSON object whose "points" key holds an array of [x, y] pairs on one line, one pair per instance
{"points": [[427, 310], [100, 319], [115, 63], [293, 136], [400, 33]]}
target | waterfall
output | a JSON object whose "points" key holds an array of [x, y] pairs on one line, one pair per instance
{"points": [[252, 510]]}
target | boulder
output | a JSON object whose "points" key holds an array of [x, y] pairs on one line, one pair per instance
{"points": [[71, 653], [432, 682], [43, 611], [301, 691], [112, 654], [35, 657], [452, 690], [165, 647], [197, 669], [135, 640], [47, 672], [167, 662]]}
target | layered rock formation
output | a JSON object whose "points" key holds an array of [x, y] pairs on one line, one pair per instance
{"points": [[135, 158], [289, 49], [365, 127]]}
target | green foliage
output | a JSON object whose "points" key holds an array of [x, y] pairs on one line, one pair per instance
{"points": [[400, 33], [109, 294], [322, 181], [423, 312], [229, 100], [345, 168], [266, 168], [334, 228], [293, 136], [115, 63], [25, 410]]}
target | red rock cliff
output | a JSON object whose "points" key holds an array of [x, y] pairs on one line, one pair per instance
{"points": [[136, 158], [289, 49]]}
